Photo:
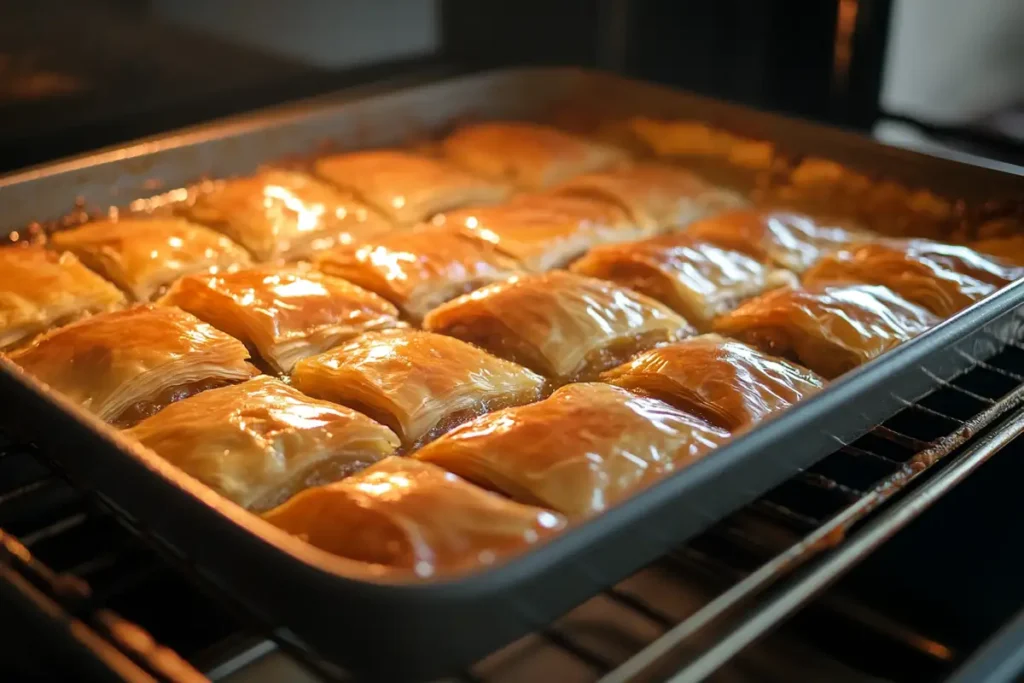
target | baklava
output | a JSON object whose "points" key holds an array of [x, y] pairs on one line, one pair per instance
{"points": [[407, 187], [126, 365], [580, 451], [40, 289], [544, 231], [1009, 249], [829, 329], [528, 155], [727, 383], [285, 215], [413, 516], [260, 442], [419, 384], [285, 314], [143, 256], [421, 268], [697, 279], [562, 325]]}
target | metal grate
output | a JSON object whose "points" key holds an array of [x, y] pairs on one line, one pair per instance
{"points": [[690, 612]]}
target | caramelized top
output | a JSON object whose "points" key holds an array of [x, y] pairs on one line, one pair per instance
{"points": [[1009, 249]]}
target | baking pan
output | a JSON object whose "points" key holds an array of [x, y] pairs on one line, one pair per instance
{"points": [[389, 626]]}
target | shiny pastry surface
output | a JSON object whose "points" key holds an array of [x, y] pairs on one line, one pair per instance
{"points": [[278, 214], [657, 196], [580, 451], [286, 314], [406, 187], [259, 442], [421, 268], [942, 278], [697, 279], [126, 365], [789, 240], [1009, 249], [544, 231], [413, 516], [143, 256], [729, 384], [419, 384], [560, 324], [829, 329], [529, 155], [40, 288]]}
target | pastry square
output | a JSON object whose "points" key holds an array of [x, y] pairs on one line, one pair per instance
{"points": [[419, 269], [285, 215], [943, 278], [580, 451], [40, 289], [544, 231], [285, 314], [829, 329], [406, 187], [528, 155], [143, 256], [789, 240], [260, 442], [411, 516], [697, 279], [657, 197], [419, 384], [729, 384], [126, 365], [562, 325]]}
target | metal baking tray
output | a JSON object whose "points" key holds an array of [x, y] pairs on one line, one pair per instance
{"points": [[391, 626]]}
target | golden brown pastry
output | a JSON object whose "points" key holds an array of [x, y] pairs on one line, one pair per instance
{"points": [[562, 325], [789, 240], [260, 442], [727, 383], [544, 231], [697, 279], [579, 452], [1010, 249], [421, 268], [285, 215], [286, 314], [406, 187], [829, 329], [412, 516], [941, 277], [40, 289], [656, 196], [528, 155], [143, 256], [126, 365], [419, 384]]}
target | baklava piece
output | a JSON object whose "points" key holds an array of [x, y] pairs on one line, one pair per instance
{"points": [[406, 187], [260, 442], [284, 314], [285, 215], [579, 452], [419, 384], [942, 278], [544, 231], [143, 256], [697, 279], [562, 325], [527, 155], [419, 269], [657, 197], [126, 365], [412, 516], [729, 384], [789, 240], [40, 289], [829, 329]]}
